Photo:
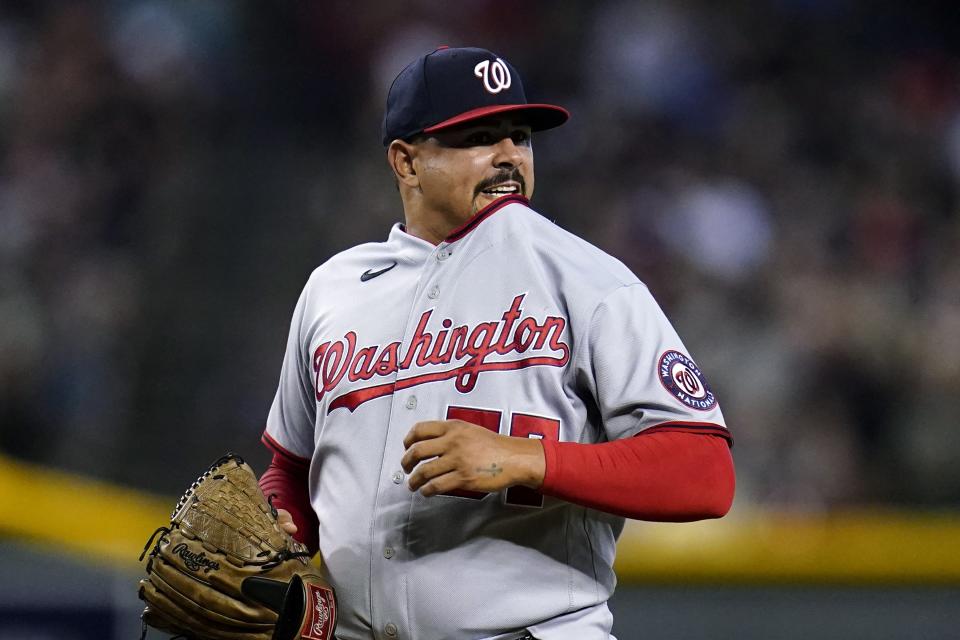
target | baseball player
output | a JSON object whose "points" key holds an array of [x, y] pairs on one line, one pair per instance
{"points": [[468, 411]]}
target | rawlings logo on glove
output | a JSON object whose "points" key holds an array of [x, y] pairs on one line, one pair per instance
{"points": [[194, 561]]}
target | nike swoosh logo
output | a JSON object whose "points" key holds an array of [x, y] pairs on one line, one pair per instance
{"points": [[370, 275]]}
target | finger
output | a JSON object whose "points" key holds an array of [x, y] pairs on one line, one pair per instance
{"points": [[420, 451], [285, 520], [425, 431], [444, 483], [429, 471]]}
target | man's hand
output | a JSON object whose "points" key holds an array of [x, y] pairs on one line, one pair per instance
{"points": [[453, 454]]}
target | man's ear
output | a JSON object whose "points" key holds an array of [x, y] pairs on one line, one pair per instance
{"points": [[400, 156]]}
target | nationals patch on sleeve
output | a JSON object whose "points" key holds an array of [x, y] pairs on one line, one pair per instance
{"points": [[683, 379]]}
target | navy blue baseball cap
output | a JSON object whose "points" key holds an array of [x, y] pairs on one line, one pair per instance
{"points": [[447, 87]]}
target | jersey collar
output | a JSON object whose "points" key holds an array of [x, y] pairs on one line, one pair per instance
{"points": [[409, 246], [410, 242], [483, 214]]}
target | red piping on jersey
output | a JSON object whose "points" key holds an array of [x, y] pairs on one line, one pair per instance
{"points": [[692, 427], [281, 451], [483, 214]]}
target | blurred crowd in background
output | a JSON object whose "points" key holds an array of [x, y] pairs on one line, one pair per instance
{"points": [[783, 174]]}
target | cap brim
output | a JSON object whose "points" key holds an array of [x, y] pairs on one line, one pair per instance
{"points": [[539, 116]]}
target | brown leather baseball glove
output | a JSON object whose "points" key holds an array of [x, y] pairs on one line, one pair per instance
{"points": [[224, 569]]}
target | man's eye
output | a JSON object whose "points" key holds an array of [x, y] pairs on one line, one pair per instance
{"points": [[480, 138], [520, 137]]}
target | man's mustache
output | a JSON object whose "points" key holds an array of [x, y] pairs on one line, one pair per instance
{"points": [[512, 175]]}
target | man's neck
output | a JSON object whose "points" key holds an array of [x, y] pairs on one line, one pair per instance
{"points": [[433, 235], [433, 226]]}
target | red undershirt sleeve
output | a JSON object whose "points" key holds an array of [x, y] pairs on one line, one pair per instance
{"points": [[666, 476], [286, 480]]}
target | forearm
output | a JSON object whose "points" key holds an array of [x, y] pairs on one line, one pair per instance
{"points": [[286, 480], [666, 476]]}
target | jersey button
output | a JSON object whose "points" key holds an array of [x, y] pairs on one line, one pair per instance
{"points": [[390, 629], [412, 402], [434, 293], [397, 477], [388, 553], [443, 254]]}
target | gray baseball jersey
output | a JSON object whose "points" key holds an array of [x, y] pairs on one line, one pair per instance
{"points": [[513, 324]]}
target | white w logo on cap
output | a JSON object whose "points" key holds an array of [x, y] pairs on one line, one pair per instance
{"points": [[496, 76]]}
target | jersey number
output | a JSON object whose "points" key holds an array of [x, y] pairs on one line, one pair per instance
{"points": [[522, 425]]}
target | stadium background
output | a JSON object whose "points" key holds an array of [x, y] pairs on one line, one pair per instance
{"points": [[784, 174]]}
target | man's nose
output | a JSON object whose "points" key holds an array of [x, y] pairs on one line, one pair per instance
{"points": [[507, 154]]}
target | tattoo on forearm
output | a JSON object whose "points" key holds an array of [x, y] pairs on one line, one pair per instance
{"points": [[494, 469]]}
